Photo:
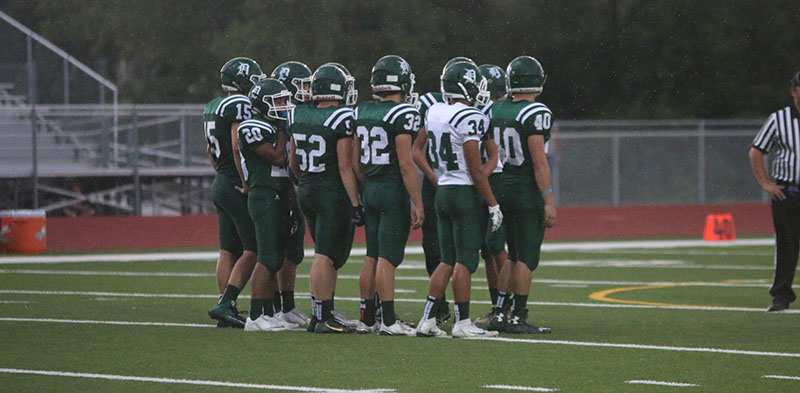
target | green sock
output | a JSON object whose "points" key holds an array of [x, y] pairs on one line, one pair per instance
{"points": [[287, 299], [231, 294], [327, 308], [368, 308], [462, 311], [387, 313], [520, 302], [493, 295], [276, 301], [256, 308]]}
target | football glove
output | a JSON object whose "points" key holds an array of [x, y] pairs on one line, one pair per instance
{"points": [[495, 217], [357, 215]]}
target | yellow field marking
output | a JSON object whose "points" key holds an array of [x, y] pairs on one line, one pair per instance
{"points": [[602, 296]]}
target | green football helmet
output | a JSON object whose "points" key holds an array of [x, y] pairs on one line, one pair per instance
{"points": [[264, 95], [463, 80], [240, 74], [392, 73], [329, 82], [496, 80], [525, 75], [351, 93], [458, 59], [297, 78]]}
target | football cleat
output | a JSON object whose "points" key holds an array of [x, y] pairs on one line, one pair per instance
{"points": [[363, 328], [312, 323], [288, 325], [499, 320], [466, 329], [777, 306], [331, 326], [398, 329], [428, 328], [517, 323], [226, 312], [296, 317], [264, 323], [339, 317], [484, 320]]}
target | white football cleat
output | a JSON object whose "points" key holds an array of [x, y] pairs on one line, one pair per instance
{"points": [[296, 317], [350, 323], [428, 328], [264, 324], [363, 328], [279, 319], [465, 329], [398, 329]]}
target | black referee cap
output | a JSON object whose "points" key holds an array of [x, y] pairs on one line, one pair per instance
{"points": [[795, 82]]}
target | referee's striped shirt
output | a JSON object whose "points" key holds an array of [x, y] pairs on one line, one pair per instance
{"points": [[781, 133]]}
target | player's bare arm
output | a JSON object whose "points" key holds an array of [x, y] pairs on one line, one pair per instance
{"points": [[541, 169], [409, 173], [472, 156], [274, 154], [344, 151], [760, 172], [419, 155], [237, 158], [492, 153]]}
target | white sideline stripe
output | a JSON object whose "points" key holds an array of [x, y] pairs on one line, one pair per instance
{"points": [[14, 302], [91, 322], [360, 251], [500, 339], [781, 377], [355, 299], [637, 346], [523, 388], [354, 277], [184, 381], [675, 384]]}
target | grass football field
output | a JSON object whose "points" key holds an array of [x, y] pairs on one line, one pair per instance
{"points": [[635, 317]]}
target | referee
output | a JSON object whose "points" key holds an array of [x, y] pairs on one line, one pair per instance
{"points": [[781, 135]]}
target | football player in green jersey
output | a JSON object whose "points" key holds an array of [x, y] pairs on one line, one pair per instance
{"points": [[321, 157], [385, 130], [525, 191], [296, 76], [262, 144], [493, 251], [221, 120], [455, 130]]}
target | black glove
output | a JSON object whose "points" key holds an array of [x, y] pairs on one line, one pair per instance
{"points": [[357, 215]]}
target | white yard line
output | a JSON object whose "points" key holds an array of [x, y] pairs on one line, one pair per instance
{"points": [[660, 383], [637, 346], [360, 251], [498, 339], [184, 381], [91, 322], [355, 299], [521, 388], [398, 278], [781, 377]]}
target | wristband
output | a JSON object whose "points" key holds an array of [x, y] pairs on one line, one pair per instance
{"points": [[547, 191]]}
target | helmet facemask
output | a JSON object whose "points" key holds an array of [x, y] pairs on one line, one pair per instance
{"points": [[280, 112], [350, 90], [411, 95], [303, 86]]}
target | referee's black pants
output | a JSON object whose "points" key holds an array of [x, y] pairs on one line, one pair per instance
{"points": [[786, 217]]}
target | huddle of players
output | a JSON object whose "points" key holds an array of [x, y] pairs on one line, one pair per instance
{"points": [[358, 167]]}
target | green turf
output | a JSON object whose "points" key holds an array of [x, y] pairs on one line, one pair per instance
{"points": [[408, 364]]}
